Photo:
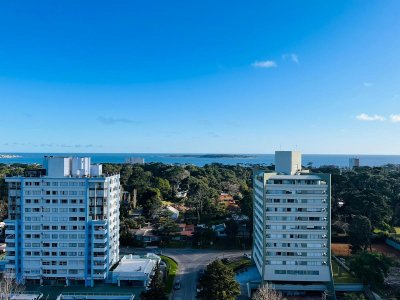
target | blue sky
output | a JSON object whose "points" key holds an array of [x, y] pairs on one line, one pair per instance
{"points": [[200, 76]]}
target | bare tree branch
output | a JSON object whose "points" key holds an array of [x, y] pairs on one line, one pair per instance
{"points": [[267, 292]]}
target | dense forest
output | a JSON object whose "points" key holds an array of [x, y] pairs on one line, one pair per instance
{"points": [[371, 192]]}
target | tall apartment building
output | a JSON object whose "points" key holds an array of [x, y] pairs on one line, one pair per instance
{"points": [[63, 223], [291, 246], [354, 162]]}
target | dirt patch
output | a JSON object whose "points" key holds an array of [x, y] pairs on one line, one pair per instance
{"points": [[344, 250], [341, 249]]}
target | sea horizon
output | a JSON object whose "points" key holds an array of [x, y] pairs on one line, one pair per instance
{"points": [[201, 159]]}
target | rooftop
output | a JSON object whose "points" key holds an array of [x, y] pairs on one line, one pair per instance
{"points": [[298, 177], [51, 292], [135, 267]]}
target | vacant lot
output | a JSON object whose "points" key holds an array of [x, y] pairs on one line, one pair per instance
{"points": [[344, 250]]}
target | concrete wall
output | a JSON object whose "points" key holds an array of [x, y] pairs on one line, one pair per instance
{"points": [[287, 162]]}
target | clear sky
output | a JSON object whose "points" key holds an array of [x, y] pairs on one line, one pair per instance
{"points": [[200, 76]]}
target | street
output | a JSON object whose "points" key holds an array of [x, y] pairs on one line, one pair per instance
{"points": [[190, 262]]}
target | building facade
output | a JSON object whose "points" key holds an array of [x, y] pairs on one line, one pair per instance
{"points": [[63, 223], [354, 162], [292, 225]]}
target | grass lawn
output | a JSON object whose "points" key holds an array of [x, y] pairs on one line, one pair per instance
{"points": [[239, 264], [344, 277], [397, 229], [172, 268]]}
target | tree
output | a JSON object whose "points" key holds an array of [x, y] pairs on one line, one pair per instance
{"points": [[246, 206], [156, 287], [232, 229], [202, 199], [167, 228], [353, 296], [150, 202], [163, 185], [175, 175], [359, 233], [204, 236], [218, 282], [371, 268], [9, 287], [267, 292]]}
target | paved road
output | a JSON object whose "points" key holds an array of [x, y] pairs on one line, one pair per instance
{"points": [[190, 262]]}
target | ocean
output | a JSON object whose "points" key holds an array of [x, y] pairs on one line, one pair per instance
{"points": [[203, 159]]}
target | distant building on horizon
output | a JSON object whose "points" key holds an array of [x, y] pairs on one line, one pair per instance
{"points": [[135, 160], [354, 162], [291, 235], [63, 223]]}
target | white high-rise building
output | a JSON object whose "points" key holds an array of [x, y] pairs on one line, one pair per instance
{"points": [[354, 162], [291, 246], [63, 223]]}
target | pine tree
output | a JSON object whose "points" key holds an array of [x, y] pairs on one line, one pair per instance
{"points": [[156, 288], [218, 282]]}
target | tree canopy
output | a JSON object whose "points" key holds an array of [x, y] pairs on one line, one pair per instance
{"points": [[218, 282]]}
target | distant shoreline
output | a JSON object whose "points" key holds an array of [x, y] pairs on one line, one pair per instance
{"points": [[212, 155], [201, 159], [9, 156]]}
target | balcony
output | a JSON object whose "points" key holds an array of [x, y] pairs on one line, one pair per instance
{"points": [[99, 274], [100, 248], [100, 230], [10, 248], [98, 193], [100, 265], [100, 239], [100, 259], [10, 256]]}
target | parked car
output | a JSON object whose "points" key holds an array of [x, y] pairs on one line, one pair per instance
{"points": [[177, 285], [201, 273], [247, 255]]}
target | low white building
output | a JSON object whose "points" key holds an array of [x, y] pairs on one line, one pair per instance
{"points": [[95, 296], [22, 296], [135, 269], [135, 160]]}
